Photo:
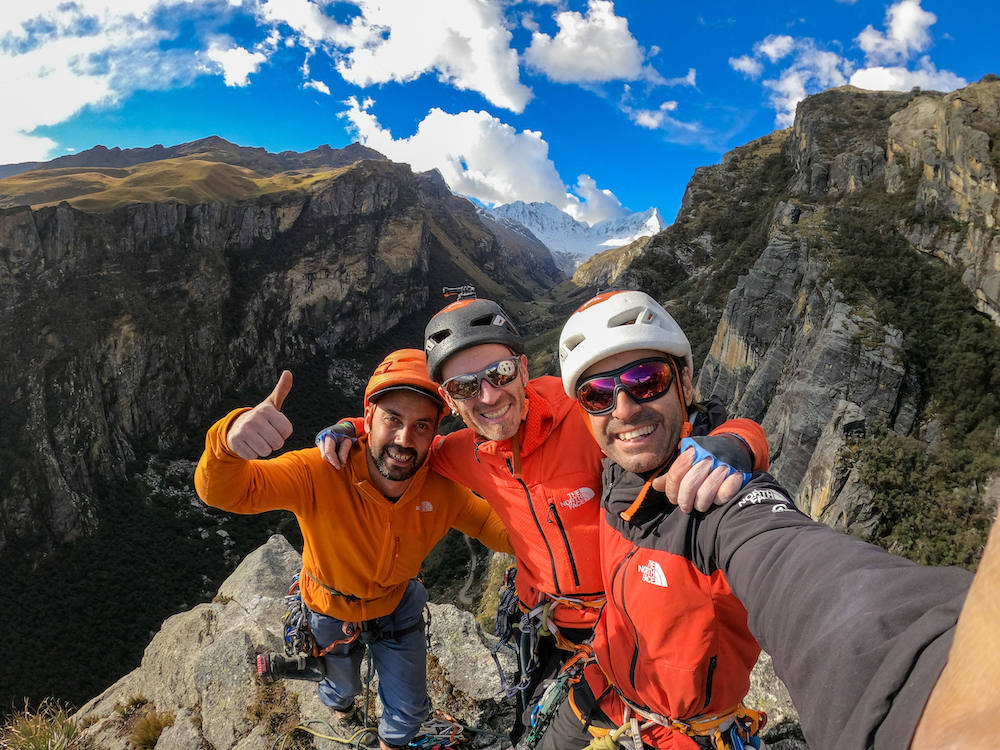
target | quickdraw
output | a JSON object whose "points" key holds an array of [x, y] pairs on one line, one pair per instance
{"points": [[557, 691], [533, 624]]}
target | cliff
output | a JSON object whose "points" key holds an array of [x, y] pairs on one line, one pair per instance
{"points": [[124, 329], [838, 281]]}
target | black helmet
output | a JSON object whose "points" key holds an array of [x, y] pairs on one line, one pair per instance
{"points": [[468, 322]]}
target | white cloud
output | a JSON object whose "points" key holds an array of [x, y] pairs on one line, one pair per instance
{"points": [[775, 47], [58, 57], [652, 118], [906, 34], [588, 48], [900, 79], [237, 63], [747, 65], [594, 204], [318, 86], [463, 42], [687, 80], [480, 156], [812, 69]]}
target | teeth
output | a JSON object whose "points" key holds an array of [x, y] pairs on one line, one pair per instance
{"points": [[402, 456], [633, 434], [497, 413]]}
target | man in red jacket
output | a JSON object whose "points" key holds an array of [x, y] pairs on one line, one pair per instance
{"points": [[859, 636], [528, 451]]}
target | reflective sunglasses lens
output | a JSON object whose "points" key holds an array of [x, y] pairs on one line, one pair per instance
{"points": [[597, 395], [462, 387], [501, 373], [647, 381]]}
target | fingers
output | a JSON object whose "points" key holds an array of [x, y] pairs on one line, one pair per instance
{"points": [[669, 483], [697, 487], [334, 448], [258, 432], [280, 392], [343, 450]]}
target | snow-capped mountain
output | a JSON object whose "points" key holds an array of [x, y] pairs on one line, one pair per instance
{"points": [[572, 241]]}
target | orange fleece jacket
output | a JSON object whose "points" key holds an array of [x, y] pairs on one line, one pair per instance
{"points": [[355, 540]]}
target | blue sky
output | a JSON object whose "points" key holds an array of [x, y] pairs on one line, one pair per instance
{"points": [[598, 107]]}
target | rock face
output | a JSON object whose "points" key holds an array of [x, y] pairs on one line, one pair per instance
{"points": [[123, 331], [951, 145], [758, 253], [198, 670], [791, 355]]}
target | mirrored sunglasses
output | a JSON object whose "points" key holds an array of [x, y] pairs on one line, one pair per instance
{"points": [[644, 380], [468, 385]]}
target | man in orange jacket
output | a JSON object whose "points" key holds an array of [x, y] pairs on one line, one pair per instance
{"points": [[529, 452], [366, 530]]}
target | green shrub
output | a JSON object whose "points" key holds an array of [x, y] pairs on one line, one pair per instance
{"points": [[47, 727]]}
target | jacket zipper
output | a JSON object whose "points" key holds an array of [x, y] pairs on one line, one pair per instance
{"points": [[538, 525], [624, 611], [553, 511], [708, 682]]}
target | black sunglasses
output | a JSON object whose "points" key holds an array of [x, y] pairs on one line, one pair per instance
{"points": [[468, 385], [643, 380]]}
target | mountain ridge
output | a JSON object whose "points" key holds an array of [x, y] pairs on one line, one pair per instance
{"points": [[215, 147], [571, 241]]}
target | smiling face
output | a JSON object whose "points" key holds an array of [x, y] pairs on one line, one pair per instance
{"points": [[640, 437], [400, 427], [495, 413]]}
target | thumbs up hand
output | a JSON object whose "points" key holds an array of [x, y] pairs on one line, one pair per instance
{"points": [[264, 429]]}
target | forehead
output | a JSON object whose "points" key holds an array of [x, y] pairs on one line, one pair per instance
{"points": [[473, 359], [409, 405], [620, 360]]}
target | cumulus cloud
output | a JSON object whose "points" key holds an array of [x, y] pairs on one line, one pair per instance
{"points": [[888, 63], [775, 47], [906, 34], [652, 118], [318, 86], [588, 48], [482, 157], [463, 42], [236, 63], [926, 76], [57, 58], [594, 204], [747, 65]]}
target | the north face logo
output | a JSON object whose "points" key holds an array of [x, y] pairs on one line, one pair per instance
{"points": [[576, 498], [425, 507], [653, 573]]}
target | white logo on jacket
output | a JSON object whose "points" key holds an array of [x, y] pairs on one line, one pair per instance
{"points": [[576, 498], [425, 506], [761, 496], [653, 573]]}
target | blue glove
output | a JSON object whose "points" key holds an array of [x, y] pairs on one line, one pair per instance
{"points": [[337, 432], [724, 450]]}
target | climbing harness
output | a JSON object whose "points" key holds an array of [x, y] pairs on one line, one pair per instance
{"points": [[735, 729], [532, 624]]}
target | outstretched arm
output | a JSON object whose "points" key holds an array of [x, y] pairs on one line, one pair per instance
{"points": [[963, 710]]}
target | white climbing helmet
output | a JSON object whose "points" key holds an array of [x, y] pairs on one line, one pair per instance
{"points": [[614, 322]]}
